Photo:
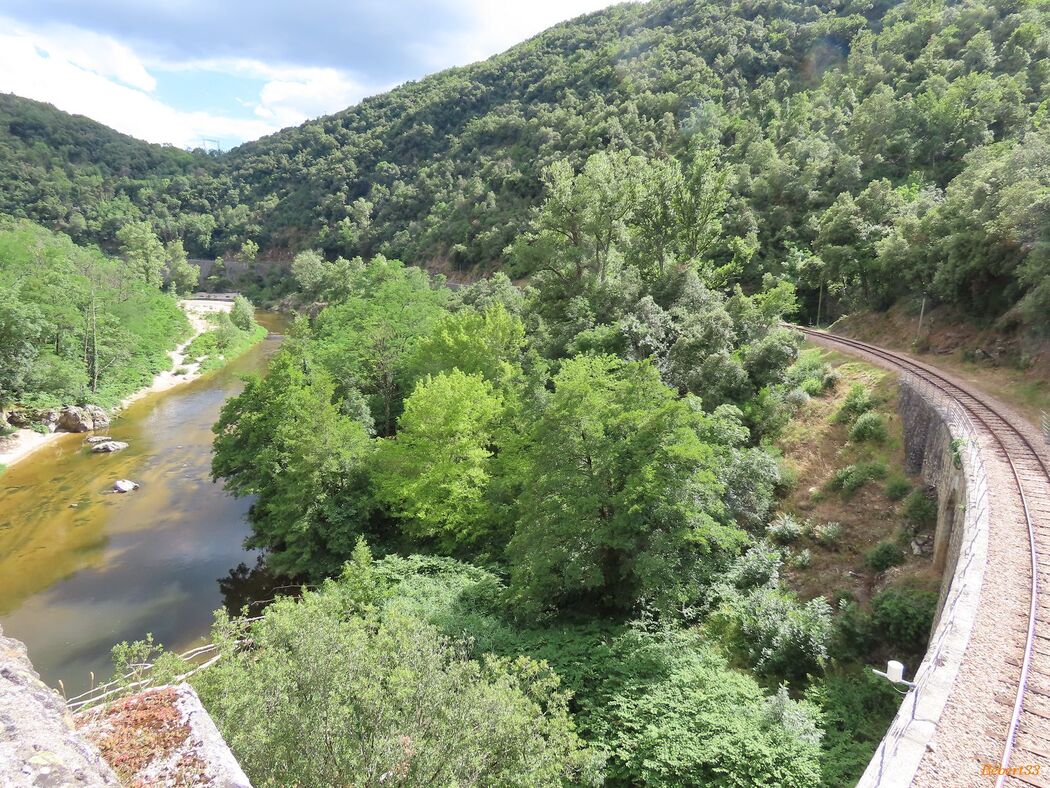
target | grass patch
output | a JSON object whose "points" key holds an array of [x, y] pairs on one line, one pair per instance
{"points": [[897, 487], [222, 344]]}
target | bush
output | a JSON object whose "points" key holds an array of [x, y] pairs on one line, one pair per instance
{"points": [[243, 313], [897, 487], [812, 386], [758, 566], [868, 427], [801, 559], [323, 697], [883, 556], [857, 709], [902, 617], [675, 713], [859, 400], [851, 478], [796, 398], [785, 529], [779, 635], [920, 509], [828, 534], [830, 379]]}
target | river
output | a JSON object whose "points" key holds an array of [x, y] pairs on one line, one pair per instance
{"points": [[82, 568]]}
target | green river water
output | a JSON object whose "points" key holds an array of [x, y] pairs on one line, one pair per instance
{"points": [[82, 568]]}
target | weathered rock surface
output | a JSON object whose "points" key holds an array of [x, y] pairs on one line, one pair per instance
{"points": [[73, 418], [124, 486], [49, 418], [108, 446], [19, 418], [163, 737], [38, 743]]}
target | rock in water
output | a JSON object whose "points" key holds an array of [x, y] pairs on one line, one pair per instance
{"points": [[99, 439], [108, 446], [124, 486]]}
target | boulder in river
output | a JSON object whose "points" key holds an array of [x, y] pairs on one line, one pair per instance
{"points": [[124, 486], [108, 446], [82, 419], [98, 438]]}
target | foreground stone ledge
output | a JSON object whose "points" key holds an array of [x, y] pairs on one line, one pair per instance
{"points": [[163, 737], [38, 743]]}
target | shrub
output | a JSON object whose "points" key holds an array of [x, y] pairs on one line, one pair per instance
{"points": [[851, 478], [884, 555], [784, 529], [323, 697], [902, 617], [828, 534], [830, 379], [758, 566], [243, 313], [39, 428], [853, 632], [801, 559], [857, 709], [859, 400], [675, 713], [226, 332], [812, 386], [897, 487], [868, 427], [779, 635], [796, 398], [920, 509]]}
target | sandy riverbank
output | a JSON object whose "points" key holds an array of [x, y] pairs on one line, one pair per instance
{"points": [[21, 443]]}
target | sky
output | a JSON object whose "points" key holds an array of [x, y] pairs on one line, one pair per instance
{"points": [[189, 72]]}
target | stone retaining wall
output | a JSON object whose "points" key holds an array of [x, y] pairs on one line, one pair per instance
{"points": [[939, 444]]}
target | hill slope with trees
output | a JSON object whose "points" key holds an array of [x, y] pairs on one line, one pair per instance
{"points": [[869, 150]]}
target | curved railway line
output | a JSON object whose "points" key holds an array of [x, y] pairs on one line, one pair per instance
{"points": [[1025, 725]]}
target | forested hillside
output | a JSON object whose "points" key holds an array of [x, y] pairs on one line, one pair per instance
{"points": [[868, 150], [78, 326]]}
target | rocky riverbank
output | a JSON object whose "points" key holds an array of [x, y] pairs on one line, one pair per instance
{"points": [[24, 441]]}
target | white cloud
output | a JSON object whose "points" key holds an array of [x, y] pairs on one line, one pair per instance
{"points": [[89, 74], [84, 81], [95, 75], [500, 25]]}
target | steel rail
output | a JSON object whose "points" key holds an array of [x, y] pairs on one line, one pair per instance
{"points": [[932, 376]]}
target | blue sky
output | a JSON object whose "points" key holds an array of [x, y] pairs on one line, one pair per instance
{"points": [[177, 71]]}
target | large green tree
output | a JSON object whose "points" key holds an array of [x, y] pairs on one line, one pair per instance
{"points": [[620, 493]]}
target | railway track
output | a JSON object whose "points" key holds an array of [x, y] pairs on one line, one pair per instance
{"points": [[1025, 734]]}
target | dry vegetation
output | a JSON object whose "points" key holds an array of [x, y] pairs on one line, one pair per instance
{"points": [[816, 447]]}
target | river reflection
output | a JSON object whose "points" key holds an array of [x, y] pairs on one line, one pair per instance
{"points": [[82, 569]]}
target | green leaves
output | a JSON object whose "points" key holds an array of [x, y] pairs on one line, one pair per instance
{"points": [[323, 698], [434, 473], [619, 494]]}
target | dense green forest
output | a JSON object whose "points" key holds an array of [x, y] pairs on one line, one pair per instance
{"points": [[869, 150], [78, 326], [573, 491], [538, 517]]}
